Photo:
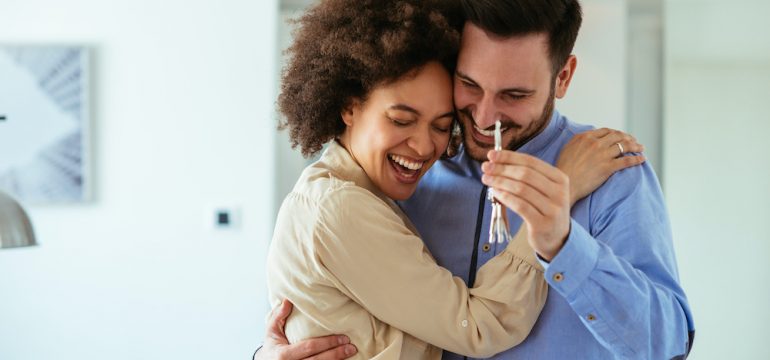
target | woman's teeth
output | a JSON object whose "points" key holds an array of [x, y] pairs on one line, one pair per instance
{"points": [[406, 163], [489, 133]]}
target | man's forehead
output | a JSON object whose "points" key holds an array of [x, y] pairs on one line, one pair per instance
{"points": [[497, 63], [476, 37]]}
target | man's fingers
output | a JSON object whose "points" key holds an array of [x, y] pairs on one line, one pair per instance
{"points": [[514, 158], [540, 202], [520, 206], [340, 352], [524, 174], [277, 320], [284, 310], [315, 346]]}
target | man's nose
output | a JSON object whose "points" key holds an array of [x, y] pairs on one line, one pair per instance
{"points": [[486, 113]]}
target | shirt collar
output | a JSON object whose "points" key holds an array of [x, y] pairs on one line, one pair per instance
{"points": [[343, 166], [555, 126]]}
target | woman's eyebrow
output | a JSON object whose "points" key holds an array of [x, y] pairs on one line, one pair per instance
{"points": [[406, 108]]}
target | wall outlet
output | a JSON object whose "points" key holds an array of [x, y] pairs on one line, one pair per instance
{"points": [[226, 218]]}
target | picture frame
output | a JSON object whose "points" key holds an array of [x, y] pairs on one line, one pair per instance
{"points": [[44, 123]]}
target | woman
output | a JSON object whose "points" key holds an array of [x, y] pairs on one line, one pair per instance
{"points": [[374, 77]]}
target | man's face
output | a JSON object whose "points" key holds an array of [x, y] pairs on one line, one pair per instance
{"points": [[506, 79]]}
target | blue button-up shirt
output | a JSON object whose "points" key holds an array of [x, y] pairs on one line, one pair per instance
{"points": [[613, 288]]}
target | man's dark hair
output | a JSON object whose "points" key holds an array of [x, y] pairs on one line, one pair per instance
{"points": [[560, 19]]}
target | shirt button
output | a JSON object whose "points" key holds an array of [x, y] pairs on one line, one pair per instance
{"points": [[591, 317], [486, 247], [464, 323], [558, 277]]}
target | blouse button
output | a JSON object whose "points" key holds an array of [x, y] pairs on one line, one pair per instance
{"points": [[464, 323]]}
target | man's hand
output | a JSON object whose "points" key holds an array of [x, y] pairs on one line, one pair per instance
{"points": [[277, 347], [535, 190], [590, 158]]}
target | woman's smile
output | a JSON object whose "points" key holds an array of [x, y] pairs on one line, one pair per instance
{"points": [[406, 170]]}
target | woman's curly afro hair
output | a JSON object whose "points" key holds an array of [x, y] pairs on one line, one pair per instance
{"points": [[343, 49]]}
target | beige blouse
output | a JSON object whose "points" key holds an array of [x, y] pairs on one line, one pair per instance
{"points": [[352, 263]]}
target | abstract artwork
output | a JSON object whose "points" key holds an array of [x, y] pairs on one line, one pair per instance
{"points": [[44, 123]]}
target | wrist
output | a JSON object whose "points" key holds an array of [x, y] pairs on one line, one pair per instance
{"points": [[574, 194], [551, 250]]}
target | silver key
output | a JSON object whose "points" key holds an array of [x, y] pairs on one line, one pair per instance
{"points": [[499, 230]]}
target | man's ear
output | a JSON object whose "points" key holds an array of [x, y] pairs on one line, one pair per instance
{"points": [[564, 77], [350, 111]]}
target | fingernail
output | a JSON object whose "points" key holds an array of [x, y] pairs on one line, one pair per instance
{"points": [[486, 166], [343, 340], [492, 155], [350, 350], [485, 178]]}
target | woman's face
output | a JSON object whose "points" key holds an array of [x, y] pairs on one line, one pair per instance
{"points": [[401, 129]]}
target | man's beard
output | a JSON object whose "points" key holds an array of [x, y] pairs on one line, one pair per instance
{"points": [[478, 151]]}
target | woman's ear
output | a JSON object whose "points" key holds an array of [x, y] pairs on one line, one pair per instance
{"points": [[350, 111]]}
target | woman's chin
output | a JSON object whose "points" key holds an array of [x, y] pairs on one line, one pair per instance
{"points": [[401, 192]]}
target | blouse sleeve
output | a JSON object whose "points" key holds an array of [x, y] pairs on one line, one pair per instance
{"points": [[373, 257]]}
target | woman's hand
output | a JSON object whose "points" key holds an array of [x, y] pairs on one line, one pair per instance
{"points": [[590, 158]]}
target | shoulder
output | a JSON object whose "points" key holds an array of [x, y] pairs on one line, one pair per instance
{"points": [[571, 128], [341, 204], [633, 194]]}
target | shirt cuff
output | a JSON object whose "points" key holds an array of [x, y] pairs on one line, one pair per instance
{"points": [[574, 262]]}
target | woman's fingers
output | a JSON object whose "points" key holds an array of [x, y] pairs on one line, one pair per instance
{"points": [[627, 162]]}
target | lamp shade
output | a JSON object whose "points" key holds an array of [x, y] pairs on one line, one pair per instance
{"points": [[15, 227]]}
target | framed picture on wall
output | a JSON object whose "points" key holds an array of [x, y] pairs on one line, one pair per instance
{"points": [[44, 120]]}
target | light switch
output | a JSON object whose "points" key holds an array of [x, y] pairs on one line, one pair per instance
{"points": [[226, 218]]}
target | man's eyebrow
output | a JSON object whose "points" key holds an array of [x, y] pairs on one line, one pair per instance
{"points": [[465, 77], [520, 90], [406, 108]]}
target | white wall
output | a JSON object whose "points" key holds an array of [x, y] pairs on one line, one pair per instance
{"points": [[717, 169], [597, 94], [183, 95]]}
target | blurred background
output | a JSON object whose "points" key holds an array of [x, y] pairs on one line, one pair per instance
{"points": [[182, 130]]}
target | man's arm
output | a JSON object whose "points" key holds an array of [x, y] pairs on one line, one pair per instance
{"points": [[620, 275], [277, 347]]}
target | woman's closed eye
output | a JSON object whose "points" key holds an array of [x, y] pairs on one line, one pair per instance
{"points": [[400, 122], [443, 124]]}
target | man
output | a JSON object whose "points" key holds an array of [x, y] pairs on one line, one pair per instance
{"points": [[609, 262]]}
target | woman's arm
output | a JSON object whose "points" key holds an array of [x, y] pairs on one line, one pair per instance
{"points": [[590, 158], [378, 262]]}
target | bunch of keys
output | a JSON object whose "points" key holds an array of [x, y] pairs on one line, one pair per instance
{"points": [[499, 231]]}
